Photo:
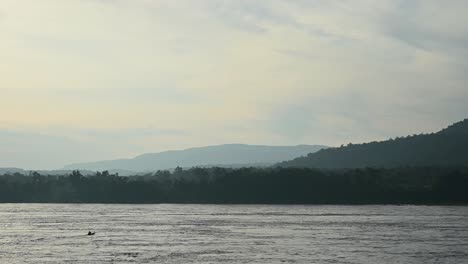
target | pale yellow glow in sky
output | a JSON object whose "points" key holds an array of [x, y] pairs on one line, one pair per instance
{"points": [[96, 73]]}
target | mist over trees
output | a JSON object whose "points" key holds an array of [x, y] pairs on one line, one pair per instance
{"points": [[404, 185]]}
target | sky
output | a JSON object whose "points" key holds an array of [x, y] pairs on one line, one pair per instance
{"points": [[86, 80]]}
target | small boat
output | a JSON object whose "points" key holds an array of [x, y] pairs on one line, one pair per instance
{"points": [[91, 233]]}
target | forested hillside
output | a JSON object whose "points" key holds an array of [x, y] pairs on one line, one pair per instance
{"points": [[448, 147]]}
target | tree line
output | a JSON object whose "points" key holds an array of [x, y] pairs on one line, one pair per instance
{"points": [[402, 185]]}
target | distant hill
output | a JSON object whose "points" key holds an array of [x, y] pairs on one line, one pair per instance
{"points": [[11, 171], [230, 155], [448, 147], [4, 171]]}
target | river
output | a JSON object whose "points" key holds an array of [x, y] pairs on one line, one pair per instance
{"points": [[174, 233]]}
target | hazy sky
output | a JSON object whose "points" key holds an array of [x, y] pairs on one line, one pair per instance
{"points": [[84, 80]]}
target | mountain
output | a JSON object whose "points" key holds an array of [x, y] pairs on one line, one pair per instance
{"points": [[4, 171], [230, 155], [11, 171], [448, 147]]}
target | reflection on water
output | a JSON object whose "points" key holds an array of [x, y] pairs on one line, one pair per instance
{"points": [[57, 233]]}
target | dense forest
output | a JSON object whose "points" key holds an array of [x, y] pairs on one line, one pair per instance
{"points": [[418, 169], [403, 185], [448, 147]]}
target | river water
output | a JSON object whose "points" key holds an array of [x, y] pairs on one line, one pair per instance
{"points": [[56, 233]]}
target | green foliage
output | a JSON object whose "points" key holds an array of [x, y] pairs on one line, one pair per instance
{"points": [[402, 185], [448, 147]]}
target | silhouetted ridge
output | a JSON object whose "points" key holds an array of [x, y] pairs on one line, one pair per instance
{"points": [[459, 128], [229, 155], [448, 147]]}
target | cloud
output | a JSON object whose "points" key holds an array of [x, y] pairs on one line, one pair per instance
{"points": [[429, 25], [212, 72]]}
